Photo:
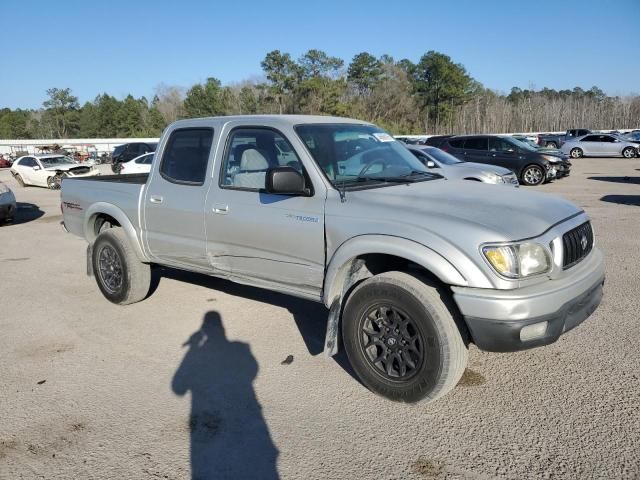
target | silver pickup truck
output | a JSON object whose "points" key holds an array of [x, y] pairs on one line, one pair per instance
{"points": [[413, 267]]}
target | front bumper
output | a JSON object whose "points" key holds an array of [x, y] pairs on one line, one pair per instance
{"points": [[495, 318]]}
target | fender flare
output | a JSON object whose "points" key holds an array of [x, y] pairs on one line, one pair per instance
{"points": [[344, 271], [113, 211]]}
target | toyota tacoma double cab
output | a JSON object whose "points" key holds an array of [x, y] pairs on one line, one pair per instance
{"points": [[412, 266]]}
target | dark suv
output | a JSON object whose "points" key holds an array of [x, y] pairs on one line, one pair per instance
{"points": [[531, 166], [128, 151]]}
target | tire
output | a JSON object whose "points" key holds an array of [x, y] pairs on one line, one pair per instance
{"points": [[123, 279], [552, 145], [439, 354], [533, 175], [629, 152], [19, 180], [576, 153], [116, 167]]}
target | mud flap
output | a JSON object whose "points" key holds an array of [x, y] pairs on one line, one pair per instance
{"points": [[89, 260], [331, 338]]}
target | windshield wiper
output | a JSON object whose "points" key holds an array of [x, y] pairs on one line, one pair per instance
{"points": [[414, 176]]}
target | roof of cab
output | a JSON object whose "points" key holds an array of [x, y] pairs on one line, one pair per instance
{"points": [[267, 120]]}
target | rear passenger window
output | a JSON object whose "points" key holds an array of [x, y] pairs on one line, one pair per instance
{"points": [[457, 143], [250, 153], [186, 156], [479, 143]]}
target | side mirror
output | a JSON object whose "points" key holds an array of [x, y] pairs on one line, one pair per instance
{"points": [[285, 181], [431, 164], [36, 167]]}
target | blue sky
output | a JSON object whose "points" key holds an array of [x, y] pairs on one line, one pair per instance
{"points": [[122, 47]]}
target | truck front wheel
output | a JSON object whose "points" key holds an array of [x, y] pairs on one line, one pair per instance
{"points": [[121, 276], [401, 338]]}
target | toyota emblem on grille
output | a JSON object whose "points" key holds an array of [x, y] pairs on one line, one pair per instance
{"points": [[583, 242]]}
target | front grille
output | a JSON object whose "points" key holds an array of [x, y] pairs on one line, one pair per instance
{"points": [[80, 170], [577, 244]]}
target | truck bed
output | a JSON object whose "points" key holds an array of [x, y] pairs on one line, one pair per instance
{"points": [[136, 178]]}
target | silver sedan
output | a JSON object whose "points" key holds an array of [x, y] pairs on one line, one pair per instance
{"points": [[600, 145], [454, 169]]}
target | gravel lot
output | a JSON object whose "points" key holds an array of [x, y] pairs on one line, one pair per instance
{"points": [[197, 375]]}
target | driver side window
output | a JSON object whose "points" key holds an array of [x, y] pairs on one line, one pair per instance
{"points": [[499, 145], [250, 153]]}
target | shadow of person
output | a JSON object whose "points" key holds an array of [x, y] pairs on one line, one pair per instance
{"points": [[229, 436]]}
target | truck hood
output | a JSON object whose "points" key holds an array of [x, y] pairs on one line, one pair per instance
{"points": [[481, 166], [508, 213]]}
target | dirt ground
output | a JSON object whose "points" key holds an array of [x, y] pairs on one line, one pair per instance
{"points": [[214, 380]]}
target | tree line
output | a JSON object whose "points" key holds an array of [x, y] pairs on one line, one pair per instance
{"points": [[434, 95]]}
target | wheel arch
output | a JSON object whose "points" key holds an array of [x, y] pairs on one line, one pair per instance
{"points": [[102, 210], [365, 256]]}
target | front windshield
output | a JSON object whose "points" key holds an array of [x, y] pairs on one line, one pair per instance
{"points": [[524, 145], [52, 161], [351, 154], [442, 156]]}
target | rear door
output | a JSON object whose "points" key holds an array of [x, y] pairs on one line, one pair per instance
{"points": [[476, 149], [268, 240], [174, 199]]}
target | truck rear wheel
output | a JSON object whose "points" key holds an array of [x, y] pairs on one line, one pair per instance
{"points": [[401, 338], [120, 275]]}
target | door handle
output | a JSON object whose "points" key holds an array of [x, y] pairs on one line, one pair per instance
{"points": [[222, 210], [155, 199]]}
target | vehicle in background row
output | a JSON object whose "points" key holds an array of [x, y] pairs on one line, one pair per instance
{"points": [[48, 170], [128, 151], [4, 162], [7, 203], [552, 140], [561, 160], [531, 166], [454, 169], [141, 164], [411, 267], [436, 140], [600, 145]]}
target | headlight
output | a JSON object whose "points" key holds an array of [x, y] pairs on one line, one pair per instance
{"points": [[551, 158], [493, 177], [518, 260]]}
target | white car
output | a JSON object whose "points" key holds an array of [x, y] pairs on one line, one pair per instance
{"points": [[48, 170], [7, 203], [600, 145], [141, 164]]}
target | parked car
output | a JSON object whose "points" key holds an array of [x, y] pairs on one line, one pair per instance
{"points": [[48, 170], [600, 145], [562, 163], [454, 169], [141, 164], [531, 166], [436, 140], [7, 203], [4, 162], [410, 266], [556, 141], [128, 151]]}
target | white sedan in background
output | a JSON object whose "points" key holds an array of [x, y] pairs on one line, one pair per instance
{"points": [[141, 164], [599, 145], [48, 170], [7, 203]]}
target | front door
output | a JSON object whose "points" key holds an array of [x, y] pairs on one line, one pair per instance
{"points": [[175, 197], [273, 241], [503, 153]]}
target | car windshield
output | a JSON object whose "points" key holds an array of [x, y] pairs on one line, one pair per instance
{"points": [[442, 156], [351, 154], [52, 161], [524, 145]]}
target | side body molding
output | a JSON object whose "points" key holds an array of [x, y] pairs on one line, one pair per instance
{"points": [[113, 211]]}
